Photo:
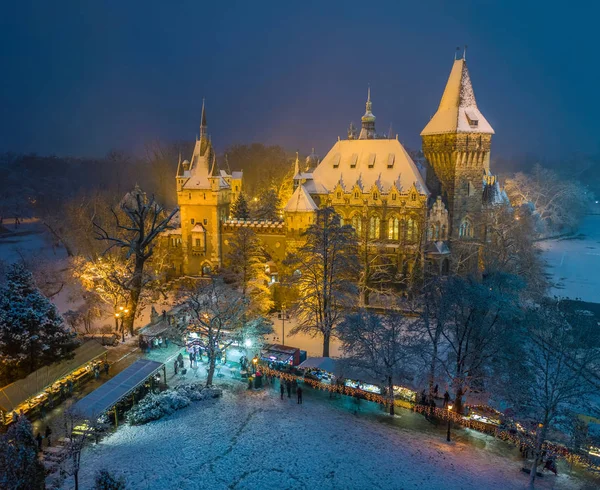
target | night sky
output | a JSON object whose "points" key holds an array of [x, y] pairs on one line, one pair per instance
{"points": [[82, 77]]}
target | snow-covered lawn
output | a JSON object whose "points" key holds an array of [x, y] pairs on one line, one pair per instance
{"points": [[574, 262], [254, 440]]}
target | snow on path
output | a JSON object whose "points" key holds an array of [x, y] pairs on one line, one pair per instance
{"points": [[254, 440]]}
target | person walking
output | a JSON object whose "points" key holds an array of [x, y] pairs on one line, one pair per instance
{"points": [[48, 434], [281, 388], [96, 372], [180, 359], [39, 439], [106, 367], [446, 398], [288, 386], [176, 367], [299, 392]]}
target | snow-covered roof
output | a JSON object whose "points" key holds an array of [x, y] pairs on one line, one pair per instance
{"points": [[458, 111], [198, 228], [368, 162], [12, 395], [117, 388], [300, 201], [325, 363]]}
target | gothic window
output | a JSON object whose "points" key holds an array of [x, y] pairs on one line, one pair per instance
{"points": [[205, 221], [394, 196], [430, 233], [413, 197], [466, 229], [192, 221], [410, 229], [236, 188], [374, 227], [357, 224], [189, 195], [205, 195], [356, 195], [375, 196], [437, 231], [443, 232], [393, 228], [339, 195]]}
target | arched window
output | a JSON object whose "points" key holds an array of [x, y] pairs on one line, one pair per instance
{"points": [[374, 227], [466, 229], [437, 231], [410, 229], [431, 232], [444, 232], [357, 224], [393, 228]]}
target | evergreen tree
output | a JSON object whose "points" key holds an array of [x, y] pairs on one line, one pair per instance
{"points": [[268, 206], [20, 468], [326, 268], [240, 209], [106, 481], [32, 333], [246, 259]]}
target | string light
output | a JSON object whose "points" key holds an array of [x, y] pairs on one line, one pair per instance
{"points": [[520, 440]]}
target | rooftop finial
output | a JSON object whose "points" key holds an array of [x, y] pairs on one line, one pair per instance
{"points": [[368, 120], [203, 121], [465, 53], [456, 53], [297, 165]]}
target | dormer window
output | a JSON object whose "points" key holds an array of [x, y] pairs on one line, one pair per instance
{"points": [[375, 196], [472, 118], [394, 196], [356, 195], [336, 160], [339, 195], [391, 158], [353, 160], [371, 160]]}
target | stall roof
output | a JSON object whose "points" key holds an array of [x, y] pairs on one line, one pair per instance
{"points": [[324, 363], [16, 393], [155, 329], [115, 389]]}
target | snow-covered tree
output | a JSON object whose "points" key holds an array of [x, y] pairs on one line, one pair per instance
{"points": [[554, 370], [218, 314], [144, 220], [556, 201], [20, 467], [240, 209], [32, 332], [268, 206], [381, 344], [246, 258], [105, 480], [326, 269]]}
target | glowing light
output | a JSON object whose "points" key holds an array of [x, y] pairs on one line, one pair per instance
{"points": [[248, 343]]}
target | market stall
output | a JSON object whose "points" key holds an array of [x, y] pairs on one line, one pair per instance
{"points": [[49, 385], [277, 355], [322, 369]]}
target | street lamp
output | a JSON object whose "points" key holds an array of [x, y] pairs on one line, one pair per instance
{"points": [[254, 363], [121, 314], [449, 422]]}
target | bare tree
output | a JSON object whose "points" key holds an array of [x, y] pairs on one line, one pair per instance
{"points": [[382, 345], [558, 202], [145, 220], [326, 268], [216, 313], [555, 370]]}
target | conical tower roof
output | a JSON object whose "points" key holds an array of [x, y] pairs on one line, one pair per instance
{"points": [[458, 111], [300, 202]]}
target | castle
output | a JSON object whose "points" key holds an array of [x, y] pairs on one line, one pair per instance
{"points": [[410, 215]]}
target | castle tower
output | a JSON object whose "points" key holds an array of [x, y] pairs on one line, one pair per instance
{"points": [[367, 131], [456, 143]]}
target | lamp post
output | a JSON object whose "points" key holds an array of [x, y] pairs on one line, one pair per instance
{"points": [[449, 422], [283, 314], [121, 315], [254, 363]]}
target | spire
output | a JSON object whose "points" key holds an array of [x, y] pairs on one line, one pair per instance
{"points": [[368, 120], [464, 56], [297, 166], [214, 171], [458, 111], [203, 121]]}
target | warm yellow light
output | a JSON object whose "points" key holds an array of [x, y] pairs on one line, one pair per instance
{"points": [[126, 310], [255, 360], [117, 315], [121, 308], [450, 407]]}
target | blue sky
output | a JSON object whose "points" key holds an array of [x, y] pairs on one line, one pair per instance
{"points": [[82, 77]]}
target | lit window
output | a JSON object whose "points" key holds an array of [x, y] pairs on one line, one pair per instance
{"points": [[357, 224], [393, 228], [374, 227], [410, 229]]}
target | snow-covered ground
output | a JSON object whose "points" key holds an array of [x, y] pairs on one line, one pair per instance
{"points": [[574, 262], [254, 440]]}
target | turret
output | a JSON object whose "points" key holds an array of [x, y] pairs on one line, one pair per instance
{"points": [[368, 120]]}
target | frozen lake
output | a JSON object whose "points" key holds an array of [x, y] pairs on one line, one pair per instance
{"points": [[574, 262]]}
